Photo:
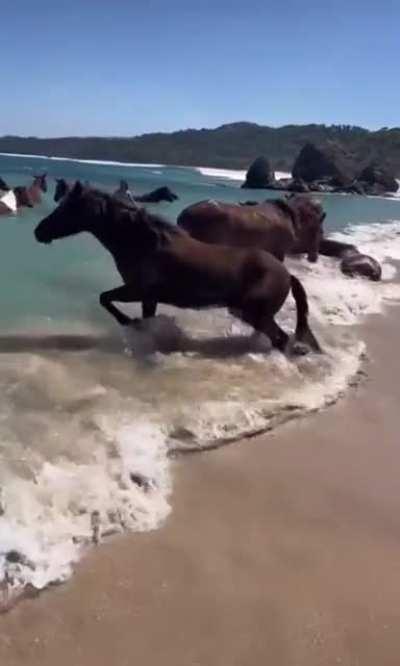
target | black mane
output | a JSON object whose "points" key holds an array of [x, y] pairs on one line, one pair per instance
{"points": [[125, 213]]}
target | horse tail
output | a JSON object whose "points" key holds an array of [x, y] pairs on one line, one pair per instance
{"points": [[303, 332]]}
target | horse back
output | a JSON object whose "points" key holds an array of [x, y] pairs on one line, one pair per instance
{"points": [[262, 225]]}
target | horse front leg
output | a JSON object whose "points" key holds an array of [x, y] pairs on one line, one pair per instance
{"points": [[126, 294], [149, 309]]}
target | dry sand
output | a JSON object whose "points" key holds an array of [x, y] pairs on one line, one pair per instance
{"points": [[282, 550]]}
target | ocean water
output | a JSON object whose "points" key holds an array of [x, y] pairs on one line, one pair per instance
{"points": [[90, 413]]}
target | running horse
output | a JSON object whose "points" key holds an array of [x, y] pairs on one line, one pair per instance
{"points": [[34, 191], [161, 263], [279, 226], [23, 196]]}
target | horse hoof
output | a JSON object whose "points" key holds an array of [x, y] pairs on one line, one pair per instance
{"points": [[300, 349]]}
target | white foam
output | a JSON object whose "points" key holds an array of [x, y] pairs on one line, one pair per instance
{"points": [[80, 161], [234, 174], [9, 200], [381, 241], [84, 439], [228, 174], [70, 484], [279, 175]]}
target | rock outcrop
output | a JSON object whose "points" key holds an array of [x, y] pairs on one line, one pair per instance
{"points": [[329, 163], [259, 175], [380, 178]]}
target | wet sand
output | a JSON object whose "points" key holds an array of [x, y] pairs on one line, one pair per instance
{"points": [[283, 550]]}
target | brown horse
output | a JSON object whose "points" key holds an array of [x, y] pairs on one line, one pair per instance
{"points": [[280, 226], [124, 194], [38, 186], [159, 262], [29, 195]]}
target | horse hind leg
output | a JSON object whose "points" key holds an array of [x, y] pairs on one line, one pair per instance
{"points": [[266, 324], [279, 338]]}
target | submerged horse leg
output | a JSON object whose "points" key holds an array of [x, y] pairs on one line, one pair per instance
{"points": [[125, 294], [149, 309]]}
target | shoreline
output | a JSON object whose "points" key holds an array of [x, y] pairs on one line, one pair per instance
{"points": [[281, 547], [235, 175]]}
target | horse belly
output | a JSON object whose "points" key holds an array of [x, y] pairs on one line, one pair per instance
{"points": [[192, 297]]}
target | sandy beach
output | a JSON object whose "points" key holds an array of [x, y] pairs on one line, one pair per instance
{"points": [[283, 550]]}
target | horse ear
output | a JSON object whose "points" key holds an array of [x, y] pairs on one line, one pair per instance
{"points": [[77, 189]]}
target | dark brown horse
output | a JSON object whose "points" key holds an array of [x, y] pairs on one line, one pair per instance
{"points": [[23, 197], [15, 199], [162, 263], [26, 196], [281, 226], [124, 194]]}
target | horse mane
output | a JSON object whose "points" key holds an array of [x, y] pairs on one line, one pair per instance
{"points": [[129, 215], [161, 229], [287, 210]]}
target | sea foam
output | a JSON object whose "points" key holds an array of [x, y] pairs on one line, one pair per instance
{"points": [[86, 438]]}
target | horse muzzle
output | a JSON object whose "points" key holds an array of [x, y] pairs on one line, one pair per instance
{"points": [[42, 238]]}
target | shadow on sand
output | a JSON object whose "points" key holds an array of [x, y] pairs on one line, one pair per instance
{"points": [[140, 340]]}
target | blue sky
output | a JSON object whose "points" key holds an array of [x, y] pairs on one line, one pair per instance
{"points": [[122, 67]]}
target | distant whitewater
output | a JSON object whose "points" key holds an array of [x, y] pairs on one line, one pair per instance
{"points": [[90, 414]]}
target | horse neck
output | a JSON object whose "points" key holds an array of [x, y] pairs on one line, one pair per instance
{"points": [[34, 189], [112, 236]]}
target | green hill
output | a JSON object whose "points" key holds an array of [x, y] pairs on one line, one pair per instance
{"points": [[231, 146]]}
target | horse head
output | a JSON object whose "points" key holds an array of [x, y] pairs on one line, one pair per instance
{"points": [[309, 216], [40, 181], [77, 212]]}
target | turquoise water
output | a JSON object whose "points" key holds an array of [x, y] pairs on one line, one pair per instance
{"points": [[63, 282]]}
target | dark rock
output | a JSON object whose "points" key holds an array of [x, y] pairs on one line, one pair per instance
{"points": [[259, 175], [352, 261], [354, 188], [3, 185], [379, 178], [298, 185], [361, 264], [328, 162]]}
